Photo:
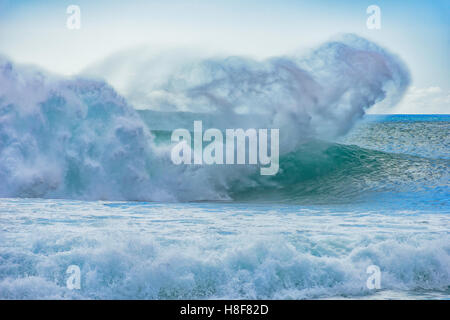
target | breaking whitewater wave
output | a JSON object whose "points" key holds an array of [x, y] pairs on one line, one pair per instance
{"points": [[261, 270], [77, 138], [213, 250]]}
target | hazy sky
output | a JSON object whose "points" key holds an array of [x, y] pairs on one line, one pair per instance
{"points": [[34, 31]]}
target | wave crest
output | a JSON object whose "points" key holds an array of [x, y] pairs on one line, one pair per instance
{"points": [[77, 138]]}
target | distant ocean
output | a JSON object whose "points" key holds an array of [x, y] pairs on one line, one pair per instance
{"points": [[377, 196]]}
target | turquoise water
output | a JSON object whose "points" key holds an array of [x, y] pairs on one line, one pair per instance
{"points": [[377, 196]]}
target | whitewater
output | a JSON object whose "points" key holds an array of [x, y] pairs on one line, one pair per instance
{"points": [[86, 179]]}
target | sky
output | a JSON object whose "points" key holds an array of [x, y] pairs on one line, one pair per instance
{"points": [[35, 32]]}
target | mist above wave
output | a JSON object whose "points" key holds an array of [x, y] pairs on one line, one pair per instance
{"points": [[322, 93]]}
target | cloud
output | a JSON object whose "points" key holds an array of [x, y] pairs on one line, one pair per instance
{"points": [[429, 100]]}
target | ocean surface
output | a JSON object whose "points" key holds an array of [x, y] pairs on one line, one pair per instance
{"points": [[378, 195], [87, 182]]}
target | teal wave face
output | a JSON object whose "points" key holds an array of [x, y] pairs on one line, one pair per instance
{"points": [[327, 172], [322, 172]]}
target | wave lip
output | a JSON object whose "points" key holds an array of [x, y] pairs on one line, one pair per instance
{"points": [[322, 93]]}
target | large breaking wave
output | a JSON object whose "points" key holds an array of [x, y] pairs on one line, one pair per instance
{"points": [[78, 138]]}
